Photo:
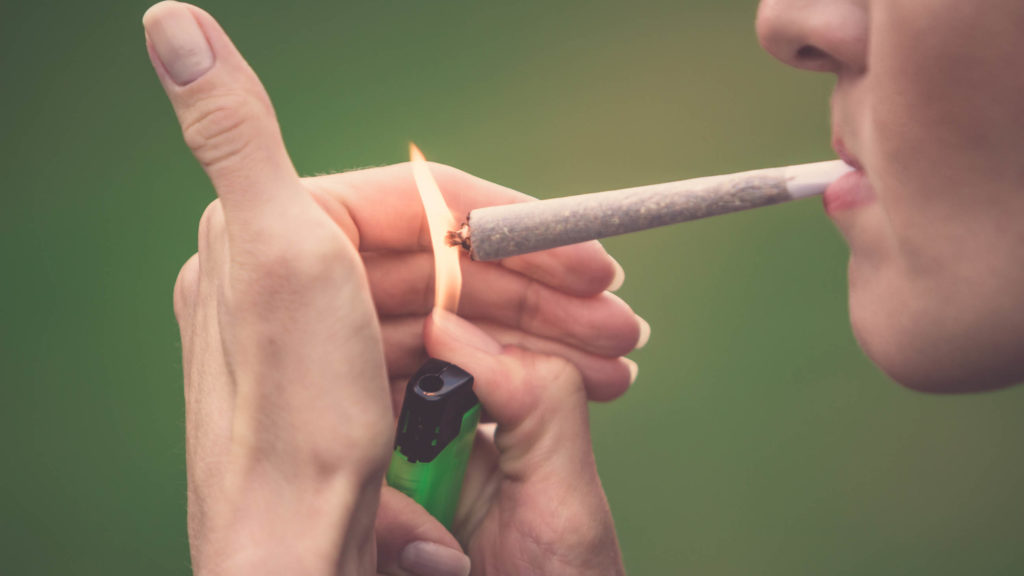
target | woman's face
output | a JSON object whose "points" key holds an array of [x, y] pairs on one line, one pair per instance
{"points": [[929, 104]]}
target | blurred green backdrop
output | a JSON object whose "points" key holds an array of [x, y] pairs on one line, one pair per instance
{"points": [[757, 440]]}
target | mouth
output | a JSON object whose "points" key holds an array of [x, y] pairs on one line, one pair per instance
{"points": [[845, 155], [850, 191]]}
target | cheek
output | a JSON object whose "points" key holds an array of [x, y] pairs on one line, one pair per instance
{"points": [[935, 281], [945, 115]]}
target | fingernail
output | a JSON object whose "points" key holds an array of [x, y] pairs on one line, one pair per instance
{"points": [[620, 277], [645, 333], [464, 332], [634, 369], [179, 43], [430, 559]]}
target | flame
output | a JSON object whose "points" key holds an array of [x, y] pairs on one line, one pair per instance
{"points": [[447, 274]]}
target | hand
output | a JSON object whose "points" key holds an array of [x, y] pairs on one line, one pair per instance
{"points": [[284, 371], [532, 502], [553, 302], [287, 409]]}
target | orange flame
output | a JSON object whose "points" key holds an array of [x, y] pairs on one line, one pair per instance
{"points": [[447, 274]]}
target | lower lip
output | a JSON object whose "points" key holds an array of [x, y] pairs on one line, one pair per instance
{"points": [[850, 191]]}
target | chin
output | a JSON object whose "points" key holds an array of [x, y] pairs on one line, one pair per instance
{"points": [[918, 350]]}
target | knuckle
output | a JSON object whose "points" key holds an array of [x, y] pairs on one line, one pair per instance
{"points": [[220, 126], [528, 305], [185, 287], [211, 224], [447, 175], [558, 369], [563, 381], [445, 170]]}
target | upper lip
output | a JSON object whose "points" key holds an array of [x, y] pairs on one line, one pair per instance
{"points": [[844, 153]]}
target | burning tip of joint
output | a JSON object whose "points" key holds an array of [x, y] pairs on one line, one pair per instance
{"points": [[459, 237]]}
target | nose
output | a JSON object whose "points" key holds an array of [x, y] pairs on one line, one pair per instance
{"points": [[819, 35]]}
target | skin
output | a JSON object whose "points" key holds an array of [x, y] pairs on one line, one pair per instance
{"points": [[928, 101], [304, 312], [303, 300]]}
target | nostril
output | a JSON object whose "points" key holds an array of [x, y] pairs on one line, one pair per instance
{"points": [[818, 35], [810, 57], [809, 53]]}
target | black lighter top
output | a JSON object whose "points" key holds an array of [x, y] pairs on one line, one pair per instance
{"points": [[436, 399]]}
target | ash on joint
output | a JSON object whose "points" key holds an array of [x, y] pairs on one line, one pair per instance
{"points": [[459, 237]]}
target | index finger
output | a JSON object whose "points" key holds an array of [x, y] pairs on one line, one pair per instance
{"points": [[384, 205]]}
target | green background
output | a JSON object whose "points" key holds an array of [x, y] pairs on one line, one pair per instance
{"points": [[758, 439]]}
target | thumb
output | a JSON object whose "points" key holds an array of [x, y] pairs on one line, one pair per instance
{"points": [[225, 114], [412, 542], [537, 400]]}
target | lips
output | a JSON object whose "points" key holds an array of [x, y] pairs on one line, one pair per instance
{"points": [[844, 153], [851, 190]]}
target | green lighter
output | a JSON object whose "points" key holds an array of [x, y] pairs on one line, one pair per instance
{"points": [[434, 437]]}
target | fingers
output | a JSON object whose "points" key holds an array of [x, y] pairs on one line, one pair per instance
{"points": [[588, 267], [225, 114], [209, 405], [602, 324], [404, 352], [213, 248], [411, 541], [538, 401], [384, 206], [403, 282], [481, 485], [605, 378], [550, 494], [185, 289]]}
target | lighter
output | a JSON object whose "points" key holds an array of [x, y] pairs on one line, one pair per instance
{"points": [[434, 437]]}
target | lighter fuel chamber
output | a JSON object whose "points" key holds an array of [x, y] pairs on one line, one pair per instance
{"points": [[435, 437]]}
